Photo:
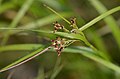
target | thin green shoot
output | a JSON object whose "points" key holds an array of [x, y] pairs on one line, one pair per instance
{"points": [[102, 16], [25, 59], [57, 14]]}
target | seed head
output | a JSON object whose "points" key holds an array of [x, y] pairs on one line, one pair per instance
{"points": [[57, 26], [58, 45]]}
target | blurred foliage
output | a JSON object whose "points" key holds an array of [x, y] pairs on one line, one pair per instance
{"points": [[49, 65]]}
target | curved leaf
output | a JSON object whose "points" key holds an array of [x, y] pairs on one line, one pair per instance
{"points": [[19, 47], [26, 58], [110, 21], [87, 52], [102, 16]]}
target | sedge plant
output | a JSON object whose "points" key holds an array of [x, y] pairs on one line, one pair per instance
{"points": [[64, 38]]}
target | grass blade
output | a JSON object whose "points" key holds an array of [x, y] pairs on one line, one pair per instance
{"points": [[63, 34], [87, 52], [98, 42], [26, 58], [19, 47], [102, 16], [71, 36], [57, 14], [110, 21]]}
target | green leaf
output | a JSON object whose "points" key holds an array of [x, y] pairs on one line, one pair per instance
{"points": [[26, 58], [71, 35], [110, 21], [19, 47], [102, 16], [74, 36], [89, 53], [57, 14], [98, 42]]}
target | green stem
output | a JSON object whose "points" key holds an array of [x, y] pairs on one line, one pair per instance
{"points": [[65, 30], [89, 24], [57, 14]]}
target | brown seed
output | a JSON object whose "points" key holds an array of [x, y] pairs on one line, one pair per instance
{"points": [[73, 21]]}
